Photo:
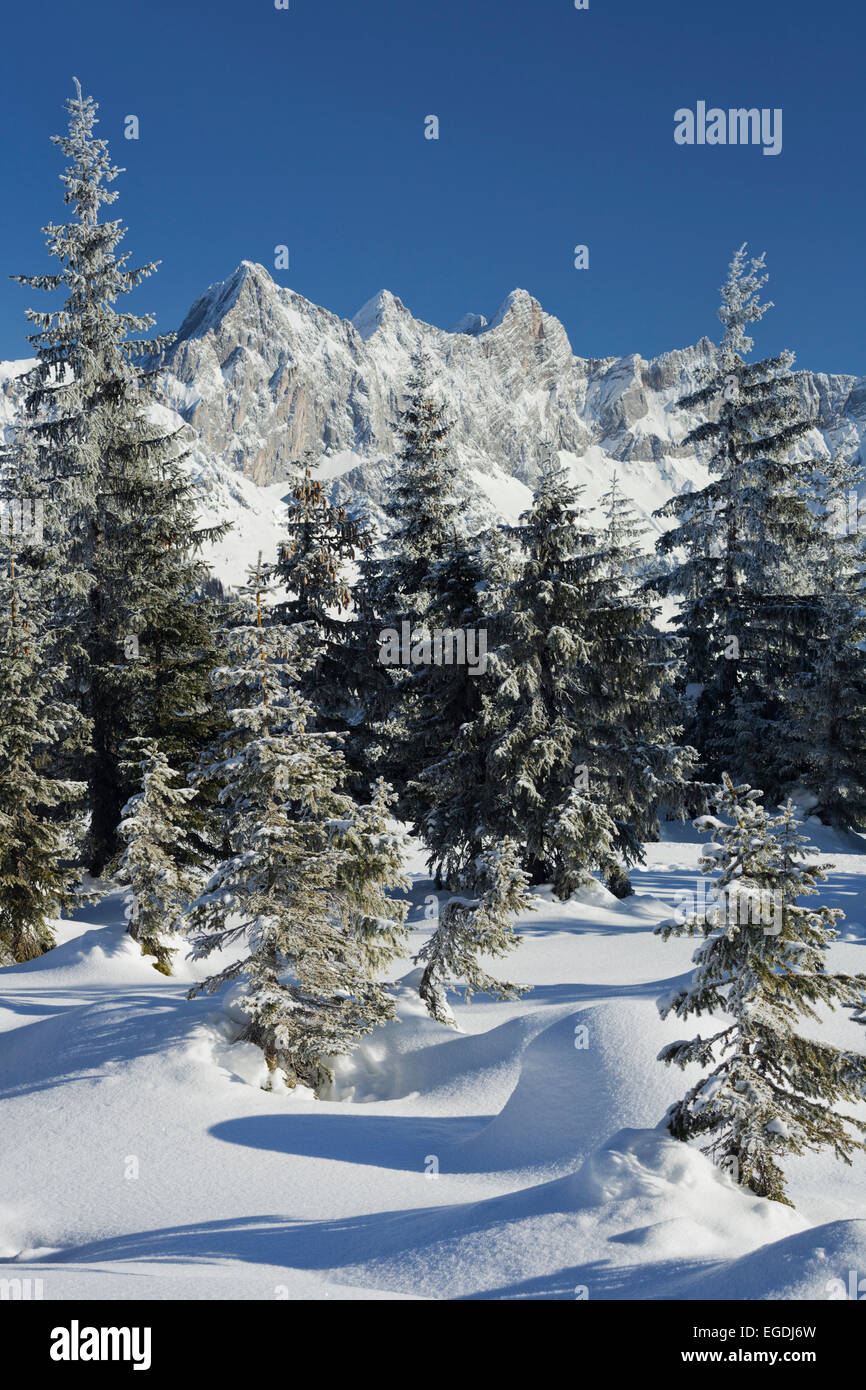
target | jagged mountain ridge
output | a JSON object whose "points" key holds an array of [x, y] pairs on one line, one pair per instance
{"points": [[263, 376]]}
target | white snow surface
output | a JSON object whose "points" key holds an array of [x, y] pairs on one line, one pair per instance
{"points": [[520, 1158]]}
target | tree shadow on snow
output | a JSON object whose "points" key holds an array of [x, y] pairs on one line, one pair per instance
{"points": [[404, 1144], [396, 1250], [88, 1040]]}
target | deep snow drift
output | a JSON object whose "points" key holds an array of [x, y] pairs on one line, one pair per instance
{"points": [[519, 1158]]}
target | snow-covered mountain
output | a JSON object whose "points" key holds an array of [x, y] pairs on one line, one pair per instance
{"points": [[262, 376]]}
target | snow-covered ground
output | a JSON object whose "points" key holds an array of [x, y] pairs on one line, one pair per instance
{"points": [[518, 1159]]}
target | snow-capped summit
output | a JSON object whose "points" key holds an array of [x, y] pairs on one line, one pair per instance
{"points": [[217, 300], [383, 308]]}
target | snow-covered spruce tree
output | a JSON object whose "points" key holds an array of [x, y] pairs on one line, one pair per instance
{"points": [[630, 740], [159, 865], [367, 741], [371, 858], [125, 570], [444, 696], [771, 1091], [733, 542], [421, 505], [304, 882], [42, 554], [321, 542], [175, 617], [480, 923], [38, 833], [450, 793], [532, 716], [509, 773], [565, 761], [825, 699], [423, 516]]}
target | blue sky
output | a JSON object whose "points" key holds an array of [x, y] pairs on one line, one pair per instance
{"points": [[305, 127]]}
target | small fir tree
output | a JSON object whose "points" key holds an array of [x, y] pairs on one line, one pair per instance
{"points": [[160, 867], [303, 884], [771, 1092], [474, 926]]}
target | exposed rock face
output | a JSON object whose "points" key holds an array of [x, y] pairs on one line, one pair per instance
{"points": [[263, 377]]}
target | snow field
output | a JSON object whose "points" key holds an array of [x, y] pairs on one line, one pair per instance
{"points": [[519, 1158]]}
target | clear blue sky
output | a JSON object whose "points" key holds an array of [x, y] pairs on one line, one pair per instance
{"points": [[306, 127]]}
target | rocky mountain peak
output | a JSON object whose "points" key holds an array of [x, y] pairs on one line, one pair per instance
{"points": [[384, 309], [264, 377]]}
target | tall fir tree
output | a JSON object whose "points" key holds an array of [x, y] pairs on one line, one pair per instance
{"points": [[532, 713], [740, 611], [444, 694], [413, 577], [122, 531], [321, 544], [422, 508], [771, 1092], [825, 694], [631, 741], [39, 834], [368, 743], [304, 881], [174, 619], [451, 783], [574, 747]]}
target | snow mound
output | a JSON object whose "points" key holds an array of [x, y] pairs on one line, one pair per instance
{"points": [[645, 1217], [690, 1206], [826, 1262], [580, 1080]]}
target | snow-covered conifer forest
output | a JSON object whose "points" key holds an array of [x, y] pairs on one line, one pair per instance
{"points": [[432, 798]]}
